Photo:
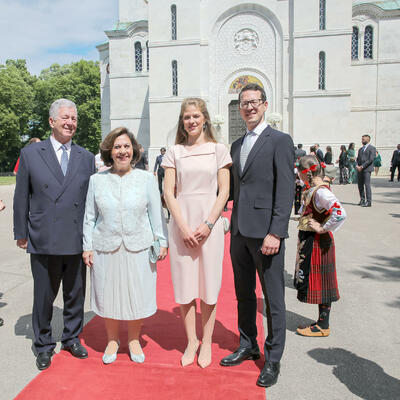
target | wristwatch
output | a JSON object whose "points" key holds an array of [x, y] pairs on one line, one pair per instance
{"points": [[209, 224]]}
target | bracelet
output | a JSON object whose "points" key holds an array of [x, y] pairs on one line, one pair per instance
{"points": [[209, 224]]}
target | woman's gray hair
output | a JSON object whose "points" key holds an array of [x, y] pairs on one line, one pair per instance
{"points": [[53, 112]]}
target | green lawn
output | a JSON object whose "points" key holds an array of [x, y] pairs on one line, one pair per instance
{"points": [[7, 180]]}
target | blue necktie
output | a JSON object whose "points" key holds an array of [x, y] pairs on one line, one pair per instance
{"points": [[64, 160], [245, 150]]}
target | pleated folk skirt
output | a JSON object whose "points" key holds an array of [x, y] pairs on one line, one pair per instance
{"points": [[123, 284]]}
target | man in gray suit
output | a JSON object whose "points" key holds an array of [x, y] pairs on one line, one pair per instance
{"points": [[365, 165], [49, 204], [299, 152], [262, 188]]}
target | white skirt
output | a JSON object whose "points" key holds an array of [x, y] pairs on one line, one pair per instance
{"points": [[123, 284]]}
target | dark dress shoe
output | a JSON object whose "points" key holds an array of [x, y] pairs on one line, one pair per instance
{"points": [[77, 350], [366, 204], [240, 355], [269, 374], [1, 321], [361, 203], [43, 360]]}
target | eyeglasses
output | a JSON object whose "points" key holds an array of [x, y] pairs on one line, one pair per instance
{"points": [[253, 103]]}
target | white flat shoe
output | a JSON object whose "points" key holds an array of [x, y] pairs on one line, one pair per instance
{"points": [[137, 358], [110, 358]]}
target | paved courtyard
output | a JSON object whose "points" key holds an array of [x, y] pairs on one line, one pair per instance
{"points": [[360, 360]]}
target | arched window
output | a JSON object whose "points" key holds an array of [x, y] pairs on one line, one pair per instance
{"points": [[138, 57], [147, 56], [173, 22], [321, 73], [174, 78], [322, 14], [368, 42], [354, 44]]}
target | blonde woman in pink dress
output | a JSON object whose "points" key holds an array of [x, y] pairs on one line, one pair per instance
{"points": [[196, 188]]}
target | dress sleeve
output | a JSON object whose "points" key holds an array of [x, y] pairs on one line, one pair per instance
{"points": [[90, 218], [169, 159], [223, 157], [325, 199], [156, 213]]}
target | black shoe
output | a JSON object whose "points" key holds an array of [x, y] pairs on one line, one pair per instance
{"points": [[390, 180], [77, 350], [269, 374], [43, 360], [366, 204], [1, 321], [361, 203], [240, 355]]}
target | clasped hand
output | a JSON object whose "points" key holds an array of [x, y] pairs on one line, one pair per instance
{"points": [[196, 238], [316, 226]]}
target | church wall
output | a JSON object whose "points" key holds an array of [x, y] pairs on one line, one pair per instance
{"points": [[389, 45], [132, 10]]}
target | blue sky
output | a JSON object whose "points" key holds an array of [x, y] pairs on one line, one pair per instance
{"points": [[45, 32]]}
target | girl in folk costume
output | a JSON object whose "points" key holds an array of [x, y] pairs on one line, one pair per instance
{"points": [[321, 214]]}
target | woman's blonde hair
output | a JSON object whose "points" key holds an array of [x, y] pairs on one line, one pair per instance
{"points": [[181, 135]]}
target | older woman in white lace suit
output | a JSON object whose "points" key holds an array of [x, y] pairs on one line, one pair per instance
{"points": [[123, 218]]}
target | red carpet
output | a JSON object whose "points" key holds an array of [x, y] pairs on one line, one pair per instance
{"points": [[163, 342]]}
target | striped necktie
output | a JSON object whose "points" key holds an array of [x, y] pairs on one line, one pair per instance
{"points": [[64, 159], [245, 150]]}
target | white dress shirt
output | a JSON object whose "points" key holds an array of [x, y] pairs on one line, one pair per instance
{"points": [[256, 132], [57, 146]]}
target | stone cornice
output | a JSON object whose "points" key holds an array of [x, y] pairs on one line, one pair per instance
{"points": [[102, 46], [320, 93], [374, 12], [322, 33], [187, 42], [392, 107], [128, 30]]}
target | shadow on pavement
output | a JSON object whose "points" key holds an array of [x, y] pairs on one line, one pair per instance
{"points": [[23, 326], [2, 304], [363, 377], [384, 268]]}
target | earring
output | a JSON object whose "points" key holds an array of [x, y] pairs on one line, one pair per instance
{"points": [[204, 126]]}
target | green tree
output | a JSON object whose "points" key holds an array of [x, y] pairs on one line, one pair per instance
{"points": [[16, 103], [79, 82]]}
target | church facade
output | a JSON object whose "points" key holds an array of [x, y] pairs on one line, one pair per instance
{"points": [[330, 68]]}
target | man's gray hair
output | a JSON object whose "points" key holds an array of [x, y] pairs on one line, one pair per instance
{"points": [[53, 112]]}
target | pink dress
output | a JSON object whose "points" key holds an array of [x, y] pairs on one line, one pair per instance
{"points": [[196, 273]]}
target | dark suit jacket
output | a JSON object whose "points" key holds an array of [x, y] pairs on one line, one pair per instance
{"points": [[396, 158], [263, 193], [320, 155], [366, 158], [48, 207], [298, 153]]}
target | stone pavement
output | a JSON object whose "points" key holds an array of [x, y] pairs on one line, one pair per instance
{"points": [[360, 360]]}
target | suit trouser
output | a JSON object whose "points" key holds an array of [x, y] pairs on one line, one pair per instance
{"points": [[160, 177], [247, 260], [48, 272], [392, 171], [364, 180]]}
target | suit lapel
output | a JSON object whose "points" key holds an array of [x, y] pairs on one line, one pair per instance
{"points": [[73, 166], [256, 148], [236, 156], [48, 155]]}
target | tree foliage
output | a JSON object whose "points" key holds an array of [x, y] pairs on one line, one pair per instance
{"points": [[25, 101]]}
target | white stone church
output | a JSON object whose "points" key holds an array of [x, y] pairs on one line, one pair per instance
{"points": [[330, 68]]}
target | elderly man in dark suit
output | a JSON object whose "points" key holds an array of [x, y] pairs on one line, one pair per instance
{"points": [[395, 163], [49, 204], [262, 188], [365, 165]]}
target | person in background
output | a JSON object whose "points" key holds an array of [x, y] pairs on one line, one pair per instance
{"points": [[123, 216], [31, 140], [313, 151], [299, 152], [143, 162], [319, 153], [315, 272], [343, 166], [365, 159], [395, 163], [49, 203], [351, 158], [377, 162], [196, 189], [328, 156], [159, 170]]}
